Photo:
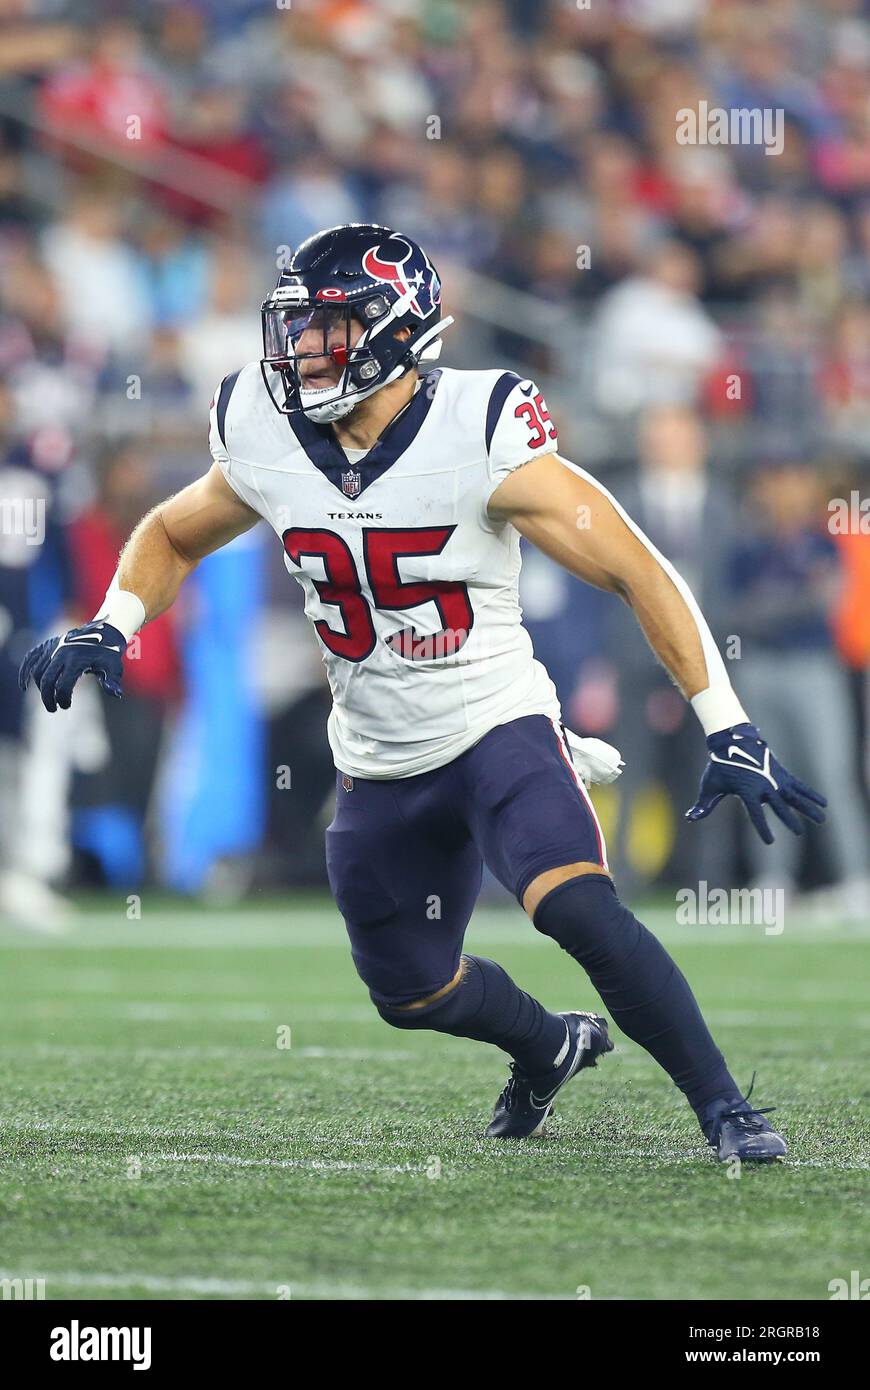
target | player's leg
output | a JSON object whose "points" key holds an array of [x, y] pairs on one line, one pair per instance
{"points": [[538, 831], [405, 874]]}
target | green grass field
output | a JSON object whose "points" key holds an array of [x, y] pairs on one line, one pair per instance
{"points": [[155, 1141]]}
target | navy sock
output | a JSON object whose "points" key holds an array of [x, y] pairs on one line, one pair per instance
{"points": [[645, 992], [486, 1005]]}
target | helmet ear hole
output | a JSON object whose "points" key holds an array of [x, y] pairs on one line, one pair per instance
{"points": [[374, 309]]}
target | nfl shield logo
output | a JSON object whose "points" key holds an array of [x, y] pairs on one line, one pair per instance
{"points": [[347, 782], [351, 482]]}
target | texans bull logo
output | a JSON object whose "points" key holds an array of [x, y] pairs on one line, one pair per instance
{"points": [[397, 273]]}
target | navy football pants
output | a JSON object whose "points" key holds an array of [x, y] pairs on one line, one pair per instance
{"points": [[405, 856]]}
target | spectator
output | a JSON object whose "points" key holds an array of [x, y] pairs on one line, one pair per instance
{"points": [[98, 95], [689, 516], [102, 293], [35, 585], [111, 801], [654, 341], [226, 334], [845, 375], [784, 578]]}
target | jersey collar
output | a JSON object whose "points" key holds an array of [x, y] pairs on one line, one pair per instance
{"points": [[327, 455]]}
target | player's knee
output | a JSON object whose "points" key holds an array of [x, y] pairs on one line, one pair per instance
{"points": [[402, 1012], [400, 1016], [587, 919]]}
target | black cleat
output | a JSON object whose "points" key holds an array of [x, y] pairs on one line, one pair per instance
{"points": [[741, 1131], [526, 1102]]}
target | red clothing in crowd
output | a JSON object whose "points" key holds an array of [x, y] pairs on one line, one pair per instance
{"points": [[99, 99], [852, 614]]}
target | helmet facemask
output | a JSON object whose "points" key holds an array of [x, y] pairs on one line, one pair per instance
{"points": [[321, 352]]}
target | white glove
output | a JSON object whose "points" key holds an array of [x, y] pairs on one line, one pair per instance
{"points": [[594, 760]]}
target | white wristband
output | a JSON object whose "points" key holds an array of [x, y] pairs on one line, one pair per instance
{"points": [[718, 708], [123, 609]]}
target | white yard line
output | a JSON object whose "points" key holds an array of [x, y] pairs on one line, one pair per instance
{"points": [[287, 1012], [165, 930], [330, 1165], [356, 1054], [777, 1018], [146, 1011], [304, 1288], [145, 1132], [249, 1053], [83, 1128], [133, 1132], [136, 1133]]}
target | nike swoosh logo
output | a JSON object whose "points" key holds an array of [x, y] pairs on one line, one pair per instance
{"points": [[584, 1039], [524, 392], [742, 753], [88, 639], [751, 766]]}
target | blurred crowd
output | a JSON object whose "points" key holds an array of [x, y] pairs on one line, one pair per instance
{"points": [[698, 314]]}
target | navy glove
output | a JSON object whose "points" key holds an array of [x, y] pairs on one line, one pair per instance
{"points": [[56, 664], [741, 763]]}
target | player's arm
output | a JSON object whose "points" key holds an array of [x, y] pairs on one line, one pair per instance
{"points": [[170, 541], [162, 551], [569, 516]]}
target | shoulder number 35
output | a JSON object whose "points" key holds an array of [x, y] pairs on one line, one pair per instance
{"points": [[537, 417]]}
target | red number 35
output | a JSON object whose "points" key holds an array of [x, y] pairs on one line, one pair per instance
{"points": [[537, 417]]}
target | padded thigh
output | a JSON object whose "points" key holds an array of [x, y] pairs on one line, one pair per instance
{"points": [[357, 879], [405, 882], [405, 856], [526, 806]]}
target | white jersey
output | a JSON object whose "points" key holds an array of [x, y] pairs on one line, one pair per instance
{"points": [[411, 588]]}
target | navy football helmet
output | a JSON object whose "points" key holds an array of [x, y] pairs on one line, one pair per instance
{"points": [[331, 326]]}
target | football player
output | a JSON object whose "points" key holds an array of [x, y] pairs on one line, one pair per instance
{"points": [[399, 492]]}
